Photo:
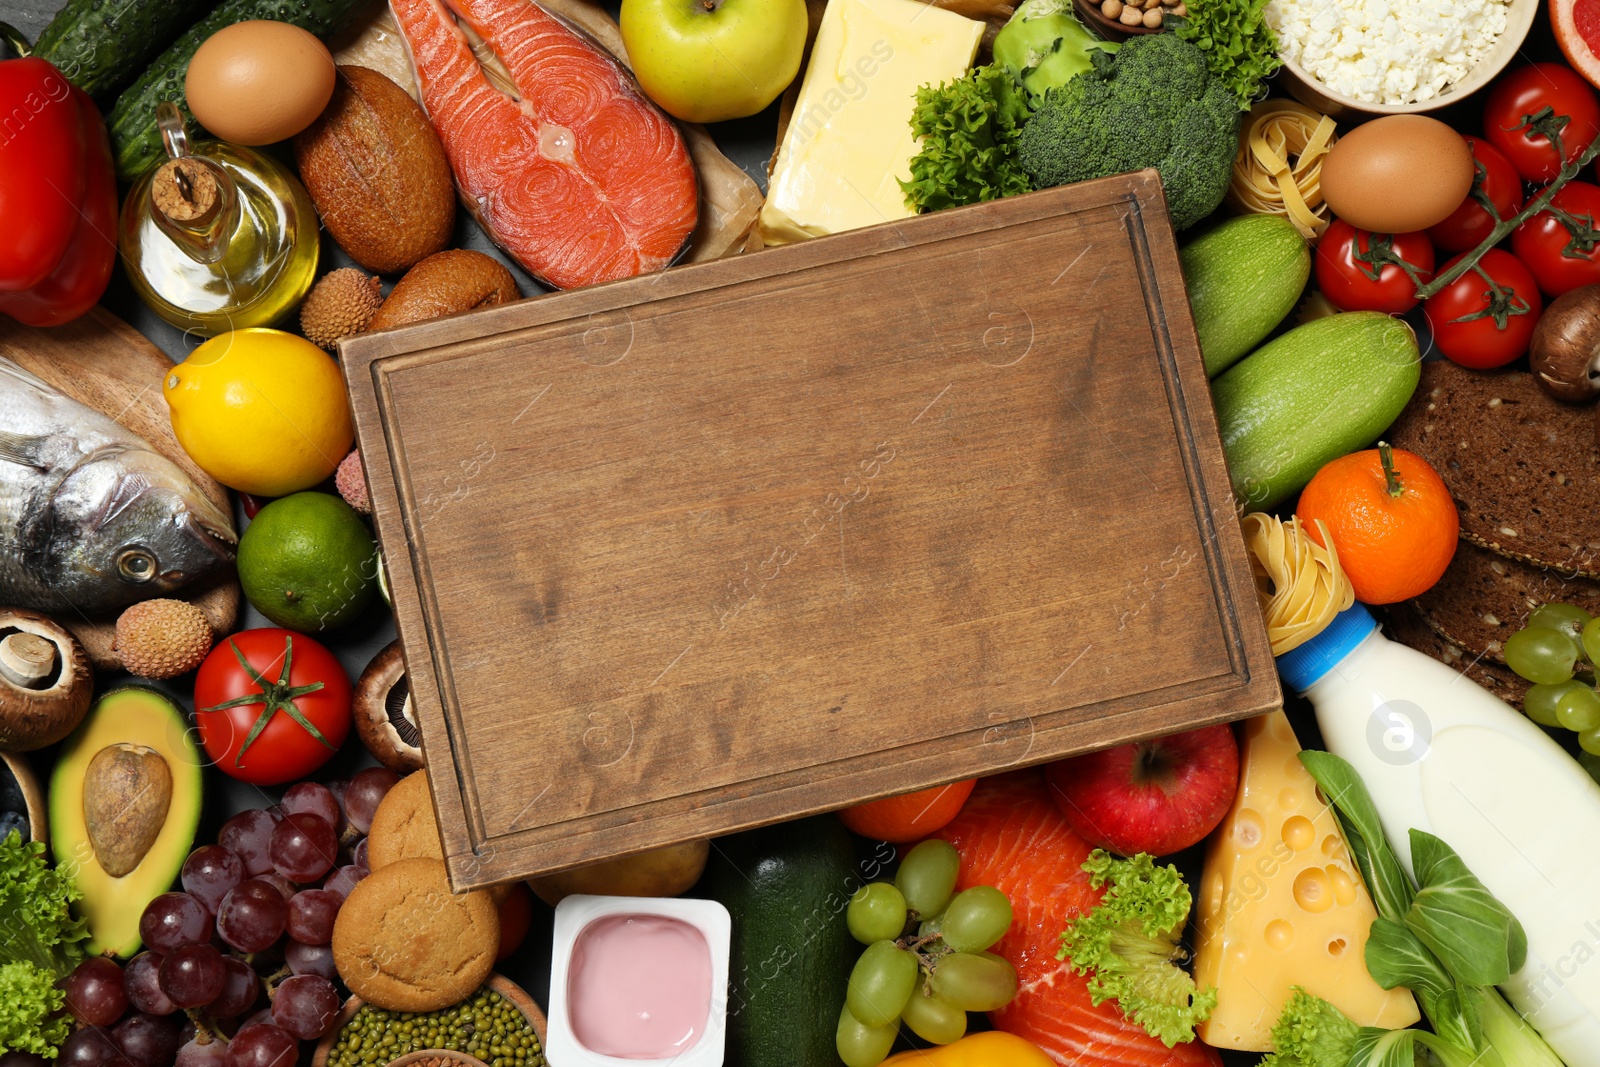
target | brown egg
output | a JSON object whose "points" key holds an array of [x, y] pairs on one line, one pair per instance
{"points": [[258, 82], [1397, 174]]}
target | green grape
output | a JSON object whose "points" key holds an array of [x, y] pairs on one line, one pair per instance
{"points": [[975, 983], [976, 919], [1591, 641], [1589, 741], [1541, 655], [881, 983], [933, 1018], [861, 1045], [877, 912], [1579, 708], [1564, 618], [929, 927], [1589, 761], [927, 876], [1541, 701]]}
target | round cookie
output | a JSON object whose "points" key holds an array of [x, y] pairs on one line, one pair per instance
{"points": [[404, 827], [404, 942]]}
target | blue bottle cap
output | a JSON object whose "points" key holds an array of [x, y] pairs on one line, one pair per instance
{"points": [[1303, 667]]}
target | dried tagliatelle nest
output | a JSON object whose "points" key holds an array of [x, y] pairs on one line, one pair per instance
{"points": [[1278, 170], [1299, 583]]}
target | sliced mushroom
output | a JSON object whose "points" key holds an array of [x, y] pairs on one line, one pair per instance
{"points": [[384, 715], [20, 771], [46, 681], [1564, 354]]}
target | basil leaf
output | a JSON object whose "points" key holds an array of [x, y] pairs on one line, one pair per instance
{"points": [[1475, 937], [1390, 888]]}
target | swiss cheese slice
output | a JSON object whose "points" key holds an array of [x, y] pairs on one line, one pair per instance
{"points": [[1282, 904], [849, 141]]}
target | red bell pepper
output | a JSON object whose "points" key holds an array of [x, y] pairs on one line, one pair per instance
{"points": [[58, 196]]}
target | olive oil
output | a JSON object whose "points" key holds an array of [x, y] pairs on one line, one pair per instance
{"points": [[218, 237]]}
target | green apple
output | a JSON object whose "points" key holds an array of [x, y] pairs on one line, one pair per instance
{"points": [[709, 60]]}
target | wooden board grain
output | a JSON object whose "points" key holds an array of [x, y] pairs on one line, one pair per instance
{"points": [[102, 362], [746, 540]]}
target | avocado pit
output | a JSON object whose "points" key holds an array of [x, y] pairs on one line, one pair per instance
{"points": [[127, 790]]}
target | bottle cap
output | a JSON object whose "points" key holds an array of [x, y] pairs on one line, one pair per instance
{"points": [[1303, 667]]}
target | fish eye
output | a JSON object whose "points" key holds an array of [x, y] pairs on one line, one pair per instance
{"points": [[136, 564]]}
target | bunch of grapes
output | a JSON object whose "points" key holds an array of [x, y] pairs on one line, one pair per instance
{"points": [[264, 896], [925, 964], [1557, 651]]}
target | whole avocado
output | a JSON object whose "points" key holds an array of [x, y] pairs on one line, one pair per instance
{"points": [[1154, 104]]}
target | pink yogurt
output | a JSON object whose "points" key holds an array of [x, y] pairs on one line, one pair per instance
{"points": [[639, 986]]}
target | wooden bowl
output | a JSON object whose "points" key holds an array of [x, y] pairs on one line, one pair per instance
{"points": [[455, 1059], [497, 982], [1311, 92], [1110, 29], [32, 795]]}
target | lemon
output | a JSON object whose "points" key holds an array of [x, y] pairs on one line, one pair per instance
{"points": [[261, 411], [308, 562]]}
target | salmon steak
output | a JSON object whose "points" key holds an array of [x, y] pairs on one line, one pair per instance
{"points": [[1011, 836], [578, 176]]}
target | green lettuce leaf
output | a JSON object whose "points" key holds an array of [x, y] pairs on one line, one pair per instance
{"points": [[969, 129]]}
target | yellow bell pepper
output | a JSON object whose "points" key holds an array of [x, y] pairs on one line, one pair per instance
{"points": [[992, 1048]]}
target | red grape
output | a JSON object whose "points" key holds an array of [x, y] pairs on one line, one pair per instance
{"points": [[286, 887], [209, 872], [248, 835], [141, 981], [262, 1045], [310, 959], [213, 1053], [366, 792], [306, 1006], [358, 855], [192, 976], [252, 916], [315, 798], [91, 1048], [240, 989], [22, 1059], [173, 920], [344, 879], [304, 847], [311, 915], [95, 993], [148, 1040]]}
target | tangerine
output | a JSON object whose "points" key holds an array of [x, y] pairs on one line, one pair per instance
{"points": [[1391, 519], [909, 816]]}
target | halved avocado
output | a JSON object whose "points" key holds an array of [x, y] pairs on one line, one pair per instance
{"points": [[139, 721]]}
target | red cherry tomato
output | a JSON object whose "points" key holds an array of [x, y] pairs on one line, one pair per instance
{"points": [[1356, 270], [1485, 322], [1514, 117], [284, 685], [1497, 179], [1563, 253]]}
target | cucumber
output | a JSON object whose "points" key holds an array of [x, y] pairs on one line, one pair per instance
{"points": [[786, 888], [135, 141], [1320, 391], [101, 47], [1243, 277]]}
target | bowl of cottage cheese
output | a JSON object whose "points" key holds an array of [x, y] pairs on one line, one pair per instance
{"points": [[1394, 56]]}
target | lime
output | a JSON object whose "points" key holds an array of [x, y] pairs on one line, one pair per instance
{"points": [[308, 562]]}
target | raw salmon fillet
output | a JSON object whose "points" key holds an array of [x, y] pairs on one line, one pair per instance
{"points": [[1011, 836], [582, 179]]}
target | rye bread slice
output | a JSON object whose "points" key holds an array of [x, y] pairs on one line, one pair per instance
{"points": [[1485, 597], [1404, 623], [1523, 468]]}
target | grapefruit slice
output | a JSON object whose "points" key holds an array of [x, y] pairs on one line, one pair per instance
{"points": [[1577, 28]]}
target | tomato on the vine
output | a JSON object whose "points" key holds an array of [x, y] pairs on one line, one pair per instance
{"points": [[1360, 271], [1498, 181], [1526, 105], [271, 705], [1561, 245], [1485, 317]]}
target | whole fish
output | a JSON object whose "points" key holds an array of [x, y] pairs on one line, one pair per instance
{"points": [[92, 518]]}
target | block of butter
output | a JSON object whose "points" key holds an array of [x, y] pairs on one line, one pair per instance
{"points": [[849, 142]]}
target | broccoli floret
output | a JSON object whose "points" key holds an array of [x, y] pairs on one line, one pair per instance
{"points": [[1128, 946], [1154, 104]]}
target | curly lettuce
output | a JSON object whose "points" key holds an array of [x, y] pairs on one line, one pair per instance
{"points": [[40, 943], [969, 129], [1240, 48]]}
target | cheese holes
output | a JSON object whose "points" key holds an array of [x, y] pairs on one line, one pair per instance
{"points": [[1248, 829], [1336, 947], [1298, 833], [1332, 846], [1289, 798], [1313, 890], [1344, 886], [1278, 935]]}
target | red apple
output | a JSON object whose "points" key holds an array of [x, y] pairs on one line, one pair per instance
{"points": [[1158, 796]]}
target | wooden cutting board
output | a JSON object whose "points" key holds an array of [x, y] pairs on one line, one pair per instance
{"points": [[746, 540], [102, 362]]}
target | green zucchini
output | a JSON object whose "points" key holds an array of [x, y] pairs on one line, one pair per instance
{"points": [[102, 47], [135, 141], [1316, 393], [1243, 277]]}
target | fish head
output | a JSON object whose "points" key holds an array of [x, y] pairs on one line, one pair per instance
{"points": [[139, 528]]}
